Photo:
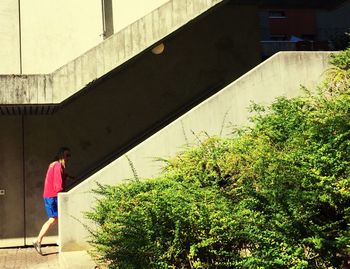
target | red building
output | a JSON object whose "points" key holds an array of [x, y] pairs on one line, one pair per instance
{"points": [[292, 22], [303, 25]]}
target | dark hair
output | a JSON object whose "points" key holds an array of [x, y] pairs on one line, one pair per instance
{"points": [[60, 153]]}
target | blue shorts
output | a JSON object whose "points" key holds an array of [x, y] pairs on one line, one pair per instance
{"points": [[51, 206]]}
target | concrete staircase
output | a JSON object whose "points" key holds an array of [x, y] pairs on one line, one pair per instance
{"points": [[54, 88], [281, 74], [116, 95]]}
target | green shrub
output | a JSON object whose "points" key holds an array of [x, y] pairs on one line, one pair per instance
{"points": [[339, 74], [275, 195], [299, 181], [161, 222]]}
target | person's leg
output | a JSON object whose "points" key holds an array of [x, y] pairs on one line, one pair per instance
{"points": [[52, 213], [46, 227]]}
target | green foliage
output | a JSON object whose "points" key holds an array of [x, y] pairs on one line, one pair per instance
{"points": [[341, 59], [300, 182], [161, 222], [338, 78], [275, 195]]}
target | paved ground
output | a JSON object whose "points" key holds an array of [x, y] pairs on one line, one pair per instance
{"points": [[28, 258]]}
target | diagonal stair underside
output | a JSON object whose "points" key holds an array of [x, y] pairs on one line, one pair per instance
{"points": [[71, 78], [280, 75]]}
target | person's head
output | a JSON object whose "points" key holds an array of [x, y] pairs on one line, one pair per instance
{"points": [[63, 155]]}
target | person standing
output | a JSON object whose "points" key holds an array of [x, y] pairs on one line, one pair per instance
{"points": [[54, 183]]}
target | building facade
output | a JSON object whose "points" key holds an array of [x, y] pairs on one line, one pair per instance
{"points": [[309, 27], [121, 94], [85, 76]]}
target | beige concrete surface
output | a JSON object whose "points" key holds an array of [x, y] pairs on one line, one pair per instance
{"points": [[76, 260], [9, 37], [282, 74], [56, 32], [98, 61], [28, 258], [126, 12], [39, 36], [73, 28]]}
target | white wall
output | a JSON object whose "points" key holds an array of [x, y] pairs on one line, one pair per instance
{"points": [[9, 37], [55, 32], [126, 12], [52, 33]]}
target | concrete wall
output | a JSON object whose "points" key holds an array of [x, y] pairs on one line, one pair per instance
{"points": [[128, 103], [97, 62], [11, 182], [9, 37], [55, 32], [280, 75], [40, 36], [127, 12], [121, 108], [72, 29]]}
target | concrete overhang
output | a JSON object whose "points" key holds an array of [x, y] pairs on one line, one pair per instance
{"points": [[27, 109], [42, 93]]}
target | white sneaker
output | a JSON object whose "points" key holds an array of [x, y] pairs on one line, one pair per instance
{"points": [[37, 247]]}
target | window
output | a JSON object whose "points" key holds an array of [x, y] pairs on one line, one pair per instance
{"points": [[279, 37], [277, 14]]}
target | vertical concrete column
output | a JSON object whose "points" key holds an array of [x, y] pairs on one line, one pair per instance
{"points": [[107, 17]]}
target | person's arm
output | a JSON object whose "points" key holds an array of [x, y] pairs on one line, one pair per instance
{"points": [[69, 176], [57, 178]]}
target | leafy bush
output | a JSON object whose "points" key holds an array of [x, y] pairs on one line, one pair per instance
{"points": [[339, 73], [299, 181], [275, 195], [161, 222]]}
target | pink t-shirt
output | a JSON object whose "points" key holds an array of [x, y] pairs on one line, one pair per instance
{"points": [[55, 177]]}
